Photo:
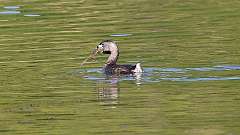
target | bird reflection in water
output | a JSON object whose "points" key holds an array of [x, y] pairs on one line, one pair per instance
{"points": [[108, 90]]}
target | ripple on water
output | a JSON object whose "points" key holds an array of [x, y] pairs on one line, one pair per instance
{"points": [[120, 35], [163, 74], [14, 10], [201, 79], [10, 12], [32, 15], [11, 7]]}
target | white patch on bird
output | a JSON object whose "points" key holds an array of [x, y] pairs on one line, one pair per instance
{"points": [[138, 68]]}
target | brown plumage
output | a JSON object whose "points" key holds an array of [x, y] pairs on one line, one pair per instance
{"points": [[111, 66]]}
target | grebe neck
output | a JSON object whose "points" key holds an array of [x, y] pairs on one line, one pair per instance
{"points": [[113, 57]]}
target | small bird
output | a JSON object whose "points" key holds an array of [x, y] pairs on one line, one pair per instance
{"points": [[111, 66]]}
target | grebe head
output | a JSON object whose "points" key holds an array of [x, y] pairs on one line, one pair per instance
{"points": [[107, 47]]}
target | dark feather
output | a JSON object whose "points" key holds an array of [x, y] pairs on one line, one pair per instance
{"points": [[119, 69]]}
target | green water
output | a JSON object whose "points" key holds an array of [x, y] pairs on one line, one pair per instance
{"points": [[44, 90]]}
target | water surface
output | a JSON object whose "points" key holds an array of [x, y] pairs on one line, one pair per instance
{"points": [[189, 51]]}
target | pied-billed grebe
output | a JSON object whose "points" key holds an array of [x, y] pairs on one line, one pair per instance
{"points": [[111, 66]]}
